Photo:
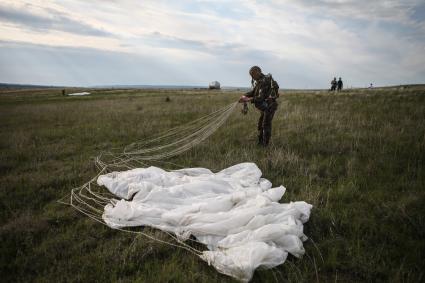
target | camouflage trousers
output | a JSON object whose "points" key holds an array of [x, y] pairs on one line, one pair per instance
{"points": [[265, 124]]}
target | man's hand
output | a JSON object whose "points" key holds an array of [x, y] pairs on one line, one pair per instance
{"points": [[244, 99]]}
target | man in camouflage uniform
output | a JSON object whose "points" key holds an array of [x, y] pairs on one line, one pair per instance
{"points": [[333, 84], [263, 95], [339, 84]]}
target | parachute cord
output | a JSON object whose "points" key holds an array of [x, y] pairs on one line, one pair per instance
{"points": [[91, 201]]}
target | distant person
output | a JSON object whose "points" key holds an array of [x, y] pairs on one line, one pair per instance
{"points": [[371, 85], [340, 84], [263, 94], [333, 84]]}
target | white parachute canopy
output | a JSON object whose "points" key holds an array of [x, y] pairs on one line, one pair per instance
{"points": [[234, 212]]}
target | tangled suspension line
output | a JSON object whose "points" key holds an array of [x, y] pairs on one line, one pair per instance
{"points": [[90, 199]]}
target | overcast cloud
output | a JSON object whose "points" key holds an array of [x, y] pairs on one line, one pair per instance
{"points": [[303, 43]]}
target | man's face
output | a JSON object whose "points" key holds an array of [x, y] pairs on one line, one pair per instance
{"points": [[255, 74]]}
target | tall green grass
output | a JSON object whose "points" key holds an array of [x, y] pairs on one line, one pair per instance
{"points": [[357, 156]]}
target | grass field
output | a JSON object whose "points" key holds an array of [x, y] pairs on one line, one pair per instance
{"points": [[357, 156]]}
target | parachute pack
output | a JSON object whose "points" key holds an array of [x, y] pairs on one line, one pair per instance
{"points": [[274, 87]]}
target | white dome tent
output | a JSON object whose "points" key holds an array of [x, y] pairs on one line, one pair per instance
{"points": [[214, 85]]}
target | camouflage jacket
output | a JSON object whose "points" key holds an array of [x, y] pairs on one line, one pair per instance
{"points": [[264, 92]]}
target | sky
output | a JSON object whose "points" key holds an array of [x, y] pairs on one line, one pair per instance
{"points": [[303, 43]]}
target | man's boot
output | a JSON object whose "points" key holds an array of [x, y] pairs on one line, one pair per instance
{"points": [[260, 139]]}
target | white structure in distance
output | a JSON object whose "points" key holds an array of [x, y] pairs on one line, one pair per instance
{"points": [[214, 85], [79, 93]]}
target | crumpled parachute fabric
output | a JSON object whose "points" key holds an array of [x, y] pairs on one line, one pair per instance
{"points": [[234, 212]]}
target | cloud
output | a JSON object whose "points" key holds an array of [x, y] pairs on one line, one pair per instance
{"points": [[50, 65], [212, 47], [384, 10], [303, 43], [23, 62], [47, 20]]}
